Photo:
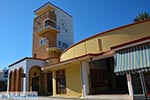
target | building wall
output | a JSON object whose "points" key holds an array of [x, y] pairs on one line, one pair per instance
{"points": [[30, 64], [62, 39], [103, 42], [73, 80], [124, 35], [16, 67], [35, 69], [26, 64], [64, 36], [51, 37], [41, 51]]}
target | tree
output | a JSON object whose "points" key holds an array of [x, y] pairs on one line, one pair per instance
{"points": [[142, 16]]}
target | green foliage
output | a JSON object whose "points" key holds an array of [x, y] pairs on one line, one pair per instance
{"points": [[142, 16]]}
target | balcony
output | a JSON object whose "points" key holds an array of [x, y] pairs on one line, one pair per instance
{"points": [[49, 29], [52, 49], [50, 23], [52, 16], [54, 52], [49, 26]]}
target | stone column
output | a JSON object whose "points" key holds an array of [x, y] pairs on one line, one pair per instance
{"points": [[54, 83], [24, 84], [17, 81], [12, 82], [85, 80], [130, 89], [45, 82], [9, 82]]}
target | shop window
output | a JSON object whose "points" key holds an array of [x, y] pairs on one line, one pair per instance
{"points": [[42, 41], [60, 82]]}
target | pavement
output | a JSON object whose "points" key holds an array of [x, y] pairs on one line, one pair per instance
{"points": [[94, 97]]}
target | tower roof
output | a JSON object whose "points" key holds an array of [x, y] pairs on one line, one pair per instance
{"points": [[48, 6]]}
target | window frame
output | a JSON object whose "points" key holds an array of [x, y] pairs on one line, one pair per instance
{"points": [[43, 41]]}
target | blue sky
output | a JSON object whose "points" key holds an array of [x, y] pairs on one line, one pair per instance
{"points": [[89, 16]]}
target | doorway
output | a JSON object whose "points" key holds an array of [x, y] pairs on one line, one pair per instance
{"points": [[141, 85], [35, 84], [49, 84], [147, 84]]}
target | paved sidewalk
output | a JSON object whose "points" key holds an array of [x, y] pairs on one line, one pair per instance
{"points": [[93, 97]]}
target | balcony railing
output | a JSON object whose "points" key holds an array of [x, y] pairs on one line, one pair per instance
{"points": [[50, 23]]}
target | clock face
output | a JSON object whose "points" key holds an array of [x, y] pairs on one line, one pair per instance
{"points": [[61, 25]]}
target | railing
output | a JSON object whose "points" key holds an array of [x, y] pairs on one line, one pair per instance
{"points": [[50, 23]]}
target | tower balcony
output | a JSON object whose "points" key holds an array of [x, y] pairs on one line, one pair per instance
{"points": [[52, 16], [54, 55], [54, 49], [48, 28]]}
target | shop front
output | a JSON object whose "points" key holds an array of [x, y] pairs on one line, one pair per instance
{"points": [[134, 61], [141, 85], [102, 79]]}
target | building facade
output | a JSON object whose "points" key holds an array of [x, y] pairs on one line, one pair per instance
{"points": [[52, 33], [52, 28], [115, 62]]}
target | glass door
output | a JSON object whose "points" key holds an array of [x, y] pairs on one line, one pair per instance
{"points": [[138, 88], [136, 83], [147, 84], [141, 85], [49, 83], [35, 84]]}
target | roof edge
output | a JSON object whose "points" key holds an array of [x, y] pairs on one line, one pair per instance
{"points": [[105, 32], [25, 58], [53, 6], [146, 39], [80, 57]]}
